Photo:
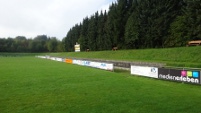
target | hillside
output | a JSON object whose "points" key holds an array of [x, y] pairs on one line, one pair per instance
{"points": [[181, 57]]}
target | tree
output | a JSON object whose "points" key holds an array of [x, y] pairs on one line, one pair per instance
{"points": [[193, 17], [107, 43], [178, 33], [52, 44], [40, 41], [60, 47], [3, 44], [83, 39], [92, 32], [132, 32], [100, 29], [21, 44], [111, 31]]}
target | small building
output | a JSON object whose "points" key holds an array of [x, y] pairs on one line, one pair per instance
{"points": [[77, 47], [194, 43]]}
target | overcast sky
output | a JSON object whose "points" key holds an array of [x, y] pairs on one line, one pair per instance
{"points": [[53, 18]]}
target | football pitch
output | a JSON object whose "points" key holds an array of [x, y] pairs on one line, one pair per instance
{"points": [[33, 85]]}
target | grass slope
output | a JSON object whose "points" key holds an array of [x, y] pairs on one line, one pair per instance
{"points": [[183, 56], [33, 85]]}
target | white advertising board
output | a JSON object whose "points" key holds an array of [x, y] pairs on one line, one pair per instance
{"points": [[59, 59], [100, 65], [41, 56], [78, 62], [52, 58], [144, 71]]}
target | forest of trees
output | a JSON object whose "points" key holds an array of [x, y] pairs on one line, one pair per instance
{"points": [[128, 24], [41, 43], [133, 24]]}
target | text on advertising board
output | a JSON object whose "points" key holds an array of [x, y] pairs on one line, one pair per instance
{"points": [[179, 75]]}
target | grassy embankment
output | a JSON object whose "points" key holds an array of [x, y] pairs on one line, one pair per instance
{"points": [[4, 54], [182, 57], [33, 85]]}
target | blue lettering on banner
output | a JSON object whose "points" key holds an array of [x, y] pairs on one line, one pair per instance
{"points": [[87, 63], [103, 64]]}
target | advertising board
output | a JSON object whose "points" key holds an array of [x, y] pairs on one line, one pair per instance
{"points": [[144, 71], [100, 65], [78, 62], [187, 76], [41, 57], [69, 61], [63, 60], [59, 59], [52, 58]]}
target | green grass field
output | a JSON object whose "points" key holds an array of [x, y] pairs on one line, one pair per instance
{"points": [[182, 56], [33, 85]]}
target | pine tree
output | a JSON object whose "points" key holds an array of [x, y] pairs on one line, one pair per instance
{"points": [[107, 45], [122, 16], [193, 17], [110, 25], [100, 26], [83, 39], [132, 28], [92, 30]]}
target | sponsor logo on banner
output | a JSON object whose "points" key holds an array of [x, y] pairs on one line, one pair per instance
{"points": [[86, 63], [145, 71], [69, 61], [179, 75]]}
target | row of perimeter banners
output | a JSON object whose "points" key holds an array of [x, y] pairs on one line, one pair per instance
{"points": [[99, 65], [179, 75]]}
